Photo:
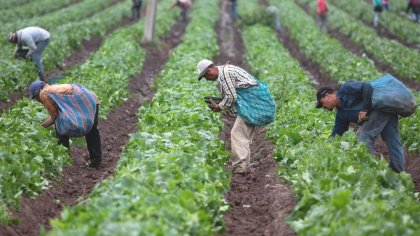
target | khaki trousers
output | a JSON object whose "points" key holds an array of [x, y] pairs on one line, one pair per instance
{"points": [[241, 138]]}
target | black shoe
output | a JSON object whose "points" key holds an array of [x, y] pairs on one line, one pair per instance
{"points": [[95, 164]]}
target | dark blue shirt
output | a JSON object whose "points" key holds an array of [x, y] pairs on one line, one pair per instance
{"points": [[343, 118], [354, 97]]}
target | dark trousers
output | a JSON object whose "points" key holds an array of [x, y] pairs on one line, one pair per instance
{"points": [[37, 57], [93, 141], [135, 10], [386, 125]]}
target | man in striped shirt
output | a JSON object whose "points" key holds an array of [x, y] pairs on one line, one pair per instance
{"points": [[230, 78]]}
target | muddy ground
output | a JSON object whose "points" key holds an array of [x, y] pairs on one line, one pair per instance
{"points": [[259, 201], [76, 180]]}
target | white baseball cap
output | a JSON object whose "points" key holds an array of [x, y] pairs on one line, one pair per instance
{"points": [[202, 67], [11, 37]]}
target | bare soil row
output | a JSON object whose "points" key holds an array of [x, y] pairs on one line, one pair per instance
{"points": [[260, 201]]}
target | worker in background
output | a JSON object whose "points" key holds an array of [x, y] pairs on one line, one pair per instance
{"points": [[36, 39], [274, 11], [185, 7], [322, 10], [385, 3], [377, 8], [233, 9], [135, 9], [414, 6]]}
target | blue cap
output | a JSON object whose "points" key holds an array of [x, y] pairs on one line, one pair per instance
{"points": [[35, 88]]}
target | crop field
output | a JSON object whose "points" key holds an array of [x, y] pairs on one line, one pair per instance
{"points": [[166, 166]]}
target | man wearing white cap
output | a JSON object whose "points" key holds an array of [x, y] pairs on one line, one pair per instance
{"points": [[36, 39], [250, 99]]}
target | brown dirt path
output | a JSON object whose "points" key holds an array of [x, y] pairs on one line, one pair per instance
{"points": [[77, 57], [259, 201], [77, 181]]}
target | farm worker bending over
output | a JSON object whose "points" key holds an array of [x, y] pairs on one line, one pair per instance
{"points": [[36, 39], [250, 99], [376, 106], [184, 5], [414, 5], [74, 111]]}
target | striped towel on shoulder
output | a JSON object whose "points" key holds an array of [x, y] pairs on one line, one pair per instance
{"points": [[77, 111]]}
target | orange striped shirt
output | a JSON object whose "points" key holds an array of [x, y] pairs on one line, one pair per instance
{"points": [[49, 103]]}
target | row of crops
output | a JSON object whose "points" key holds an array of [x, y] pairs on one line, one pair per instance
{"points": [[69, 27], [29, 152]]}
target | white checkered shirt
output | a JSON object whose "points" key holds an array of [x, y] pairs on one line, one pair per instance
{"points": [[230, 78]]}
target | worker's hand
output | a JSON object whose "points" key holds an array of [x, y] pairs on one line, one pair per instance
{"points": [[47, 123], [362, 116], [214, 106]]}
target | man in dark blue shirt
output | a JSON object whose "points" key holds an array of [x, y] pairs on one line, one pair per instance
{"points": [[353, 102]]}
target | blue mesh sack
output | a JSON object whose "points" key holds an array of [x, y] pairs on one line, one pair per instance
{"points": [[255, 104], [392, 96]]}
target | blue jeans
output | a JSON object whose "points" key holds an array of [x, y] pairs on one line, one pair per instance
{"points": [[234, 13], [184, 15], [386, 125], [37, 56]]}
